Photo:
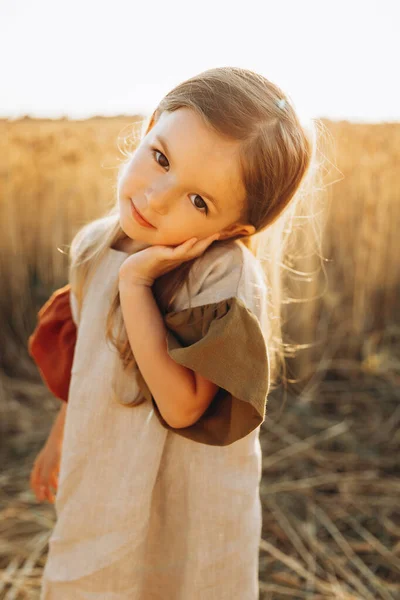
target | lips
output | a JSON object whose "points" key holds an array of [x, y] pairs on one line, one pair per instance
{"points": [[145, 221]]}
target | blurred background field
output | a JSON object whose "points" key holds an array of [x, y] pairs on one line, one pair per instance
{"points": [[330, 486]]}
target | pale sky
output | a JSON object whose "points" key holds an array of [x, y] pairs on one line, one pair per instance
{"points": [[78, 58]]}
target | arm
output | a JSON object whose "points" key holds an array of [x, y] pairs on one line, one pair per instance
{"points": [[45, 470], [180, 394], [57, 431]]}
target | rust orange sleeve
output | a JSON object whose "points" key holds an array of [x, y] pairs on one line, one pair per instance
{"points": [[52, 343]]}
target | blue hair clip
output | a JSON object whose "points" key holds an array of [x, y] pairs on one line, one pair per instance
{"points": [[281, 103]]}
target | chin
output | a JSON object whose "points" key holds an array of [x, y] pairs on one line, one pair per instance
{"points": [[123, 226], [127, 224]]}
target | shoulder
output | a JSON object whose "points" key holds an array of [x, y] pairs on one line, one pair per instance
{"points": [[217, 331], [226, 270]]}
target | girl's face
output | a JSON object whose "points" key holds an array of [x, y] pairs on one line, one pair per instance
{"points": [[184, 180]]}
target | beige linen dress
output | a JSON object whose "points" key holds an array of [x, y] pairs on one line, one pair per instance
{"points": [[146, 511]]}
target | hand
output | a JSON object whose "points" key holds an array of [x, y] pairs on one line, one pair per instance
{"points": [[145, 266], [45, 472]]}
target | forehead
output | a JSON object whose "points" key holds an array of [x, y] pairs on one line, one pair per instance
{"points": [[201, 155]]}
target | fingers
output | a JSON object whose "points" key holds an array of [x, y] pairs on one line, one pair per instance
{"points": [[50, 495], [208, 239], [41, 483], [45, 492], [54, 480], [198, 245], [35, 482]]}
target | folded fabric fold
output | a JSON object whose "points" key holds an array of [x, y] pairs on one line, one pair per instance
{"points": [[224, 343]]}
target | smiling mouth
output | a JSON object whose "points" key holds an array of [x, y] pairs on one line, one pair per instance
{"points": [[139, 217]]}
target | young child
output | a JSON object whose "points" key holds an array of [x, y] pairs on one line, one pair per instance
{"points": [[158, 346]]}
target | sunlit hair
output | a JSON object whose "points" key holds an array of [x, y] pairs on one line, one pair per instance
{"points": [[277, 160]]}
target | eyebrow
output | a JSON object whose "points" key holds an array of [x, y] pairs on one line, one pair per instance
{"points": [[163, 142]]}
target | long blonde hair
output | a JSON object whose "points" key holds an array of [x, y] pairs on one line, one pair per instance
{"points": [[276, 152]]}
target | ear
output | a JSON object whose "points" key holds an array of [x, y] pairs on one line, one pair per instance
{"points": [[238, 229]]}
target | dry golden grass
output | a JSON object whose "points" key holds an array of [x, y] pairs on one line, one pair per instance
{"points": [[329, 492], [330, 488]]}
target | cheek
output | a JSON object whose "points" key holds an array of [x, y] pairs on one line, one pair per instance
{"points": [[180, 226], [136, 173]]}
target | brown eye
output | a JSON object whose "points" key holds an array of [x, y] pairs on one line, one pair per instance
{"points": [[154, 152], [203, 208]]}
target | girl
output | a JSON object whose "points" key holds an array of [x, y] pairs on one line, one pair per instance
{"points": [[159, 346]]}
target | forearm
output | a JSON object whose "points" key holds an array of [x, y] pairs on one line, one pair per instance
{"points": [[57, 431], [173, 386]]}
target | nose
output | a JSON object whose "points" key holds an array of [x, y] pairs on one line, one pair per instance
{"points": [[159, 199]]}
